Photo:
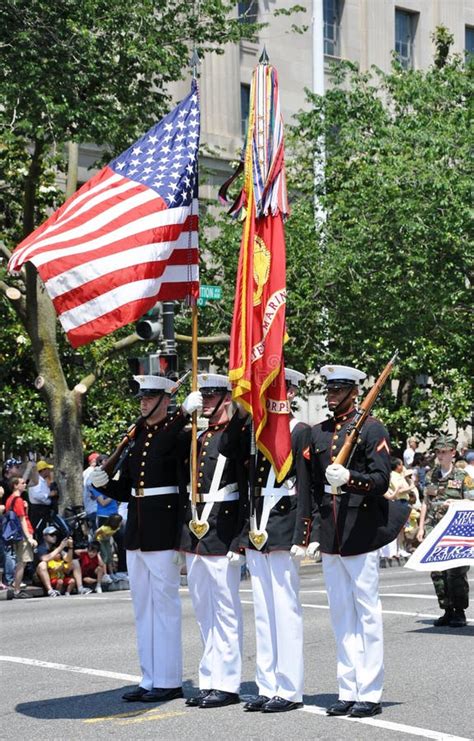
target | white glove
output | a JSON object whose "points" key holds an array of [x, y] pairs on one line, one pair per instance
{"points": [[179, 558], [337, 475], [235, 559], [312, 549], [297, 552], [192, 403], [99, 477], [290, 483]]}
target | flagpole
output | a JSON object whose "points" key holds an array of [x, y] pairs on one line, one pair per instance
{"points": [[194, 360], [194, 385]]}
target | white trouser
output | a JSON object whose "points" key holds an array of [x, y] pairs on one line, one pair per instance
{"points": [[278, 624], [214, 588], [154, 586], [352, 584]]}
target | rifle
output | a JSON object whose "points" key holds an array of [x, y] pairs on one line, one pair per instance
{"points": [[115, 460], [361, 415]]}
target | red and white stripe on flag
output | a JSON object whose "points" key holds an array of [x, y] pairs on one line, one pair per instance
{"points": [[128, 237]]}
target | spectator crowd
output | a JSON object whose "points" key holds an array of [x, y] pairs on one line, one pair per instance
{"points": [[65, 554], [80, 553]]}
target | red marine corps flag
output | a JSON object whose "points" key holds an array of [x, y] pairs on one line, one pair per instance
{"points": [[256, 367], [129, 237]]}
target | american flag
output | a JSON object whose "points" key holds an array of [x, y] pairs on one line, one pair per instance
{"points": [[450, 543], [460, 532], [129, 237]]}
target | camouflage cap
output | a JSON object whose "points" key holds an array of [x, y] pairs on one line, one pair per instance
{"points": [[445, 440]]}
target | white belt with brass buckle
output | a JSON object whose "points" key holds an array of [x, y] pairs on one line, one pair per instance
{"points": [[228, 493], [154, 491], [281, 491]]}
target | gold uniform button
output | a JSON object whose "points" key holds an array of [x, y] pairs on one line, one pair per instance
{"points": [[282, 506], [359, 483], [207, 442], [333, 458], [259, 481], [201, 474], [262, 468], [334, 447], [142, 483], [144, 452], [150, 434], [304, 532], [338, 427], [226, 511], [146, 445], [204, 452], [169, 506], [364, 505], [142, 463]]}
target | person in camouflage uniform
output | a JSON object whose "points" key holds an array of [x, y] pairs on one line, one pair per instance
{"points": [[445, 483]]}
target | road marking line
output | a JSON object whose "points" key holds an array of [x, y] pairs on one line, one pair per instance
{"points": [[152, 716], [430, 615], [130, 713], [76, 669], [389, 726], [410, 596], [136, 716], [400, 727]]}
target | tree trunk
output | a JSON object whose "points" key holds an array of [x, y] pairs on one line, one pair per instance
{"points": [[64, 405]]}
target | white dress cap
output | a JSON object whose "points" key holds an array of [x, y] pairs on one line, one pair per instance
{"points": [[293, 377], [213, 381], [342, 373], [149, 385]]}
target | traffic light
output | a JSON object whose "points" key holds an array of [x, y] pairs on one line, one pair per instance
{"points": [[150, 326]]}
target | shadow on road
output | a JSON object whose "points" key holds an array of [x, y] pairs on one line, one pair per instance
{"points": [[94, 705], [430, 629]]}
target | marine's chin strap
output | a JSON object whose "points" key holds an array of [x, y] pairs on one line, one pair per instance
{"points": [[156, 407], [344, 399], [219, 404]]}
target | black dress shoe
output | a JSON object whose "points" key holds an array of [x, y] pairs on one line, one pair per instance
{"points": [[365, 709], [341, 707], [162, 694], [256, 704], [280, 705], [135, 695], [194, 702], [219, 698]]}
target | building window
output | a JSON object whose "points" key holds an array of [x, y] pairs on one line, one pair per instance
{"points": [[405, 28], [244, 107], [248, 11], [469, 43], [332, 19]]}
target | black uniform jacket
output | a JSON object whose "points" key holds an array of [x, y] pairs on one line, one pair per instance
{"points": [[153, 522], [360, 520], [226, 518], [289, 522]]}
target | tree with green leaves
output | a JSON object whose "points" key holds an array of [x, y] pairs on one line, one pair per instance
{"points": [[90, 71], [390, 264], [393, 258]]}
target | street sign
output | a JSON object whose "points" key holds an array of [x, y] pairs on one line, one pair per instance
{"points": [[209, 293]]}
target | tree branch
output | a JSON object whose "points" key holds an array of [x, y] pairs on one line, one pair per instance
{"points": [[216, 339], [85, 383]]}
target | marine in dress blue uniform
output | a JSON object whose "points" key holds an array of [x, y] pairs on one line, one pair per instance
{"points": [[283, 514], [350, 527], [213, 561], [148, 481]]}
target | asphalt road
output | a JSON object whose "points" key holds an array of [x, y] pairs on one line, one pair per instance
{"points": [[65, 663]]}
